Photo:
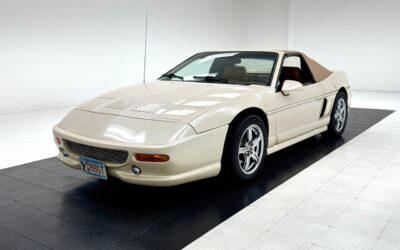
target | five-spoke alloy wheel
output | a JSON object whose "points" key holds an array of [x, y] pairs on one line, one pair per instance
{"points": [[245, 147], [251, 149], [339, 113]]}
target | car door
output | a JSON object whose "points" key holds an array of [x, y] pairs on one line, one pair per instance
{"points": [[299, 110]]}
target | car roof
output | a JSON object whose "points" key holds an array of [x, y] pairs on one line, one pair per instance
{"points": [[272, 51]]}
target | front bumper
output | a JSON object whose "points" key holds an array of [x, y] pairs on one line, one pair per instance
{"points": [[193, 158]]}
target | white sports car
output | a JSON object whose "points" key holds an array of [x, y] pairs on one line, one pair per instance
{"points": [[216, 111]]}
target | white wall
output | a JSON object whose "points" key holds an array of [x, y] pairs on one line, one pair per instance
{"points": [[212, 25], [178, 29], [265, 24], [361, 37], [55, 52]]}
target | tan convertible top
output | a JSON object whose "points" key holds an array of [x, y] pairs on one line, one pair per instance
{"points": [[317, 70]]}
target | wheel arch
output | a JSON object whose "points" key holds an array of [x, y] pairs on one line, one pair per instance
{"points": [[246, 112], [237, 118], [343, 89], [252, 111]]}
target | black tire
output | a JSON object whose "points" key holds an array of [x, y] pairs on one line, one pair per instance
{"points": [[337, 126], [234, 163]]}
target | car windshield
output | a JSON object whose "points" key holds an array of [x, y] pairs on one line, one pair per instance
{"points": [[243, 68]]}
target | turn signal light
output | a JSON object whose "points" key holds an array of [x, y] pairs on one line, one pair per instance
{"points": [[152, 157]]}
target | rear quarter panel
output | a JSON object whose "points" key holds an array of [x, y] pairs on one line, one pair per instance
{"points": [[332, 84]]}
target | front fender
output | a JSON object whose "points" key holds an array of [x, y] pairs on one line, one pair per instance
{"points": [[224, 115]]}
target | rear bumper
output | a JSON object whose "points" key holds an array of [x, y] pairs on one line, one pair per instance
{"points": [[193, 158]]}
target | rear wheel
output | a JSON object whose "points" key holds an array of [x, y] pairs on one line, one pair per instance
{"points": [[339, 114], [245, 147]]}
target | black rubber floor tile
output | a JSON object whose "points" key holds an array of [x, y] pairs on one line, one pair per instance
{"points": [[61, 183], [76, 211], [6, 201], [62, 170], [43, 164], [6, 236], [34, 175], [13, 171], [23, 244], [11, 240], [200, 224], [85, 240], [62, 228], [32, 223], [7, 182], [44, 200], [77, 188], [23, 191], [13, 211], [81, 188], [167, 240]]}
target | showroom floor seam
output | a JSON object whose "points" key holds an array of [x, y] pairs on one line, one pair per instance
{"points": [[349, 199]]}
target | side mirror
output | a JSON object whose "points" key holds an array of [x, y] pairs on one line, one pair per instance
{"points": [[291, 86]]}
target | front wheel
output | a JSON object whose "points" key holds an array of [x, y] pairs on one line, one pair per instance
{"points": [[245, 147], [339, 114]]}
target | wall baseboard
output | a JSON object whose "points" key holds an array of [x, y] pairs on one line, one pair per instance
{"points": [[388, 91]]}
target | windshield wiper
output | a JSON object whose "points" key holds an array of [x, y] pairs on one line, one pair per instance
{"points": [[211, 79], [172, 75]]}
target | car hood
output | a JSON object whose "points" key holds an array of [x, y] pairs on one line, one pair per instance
{"points": [[170, 101]]}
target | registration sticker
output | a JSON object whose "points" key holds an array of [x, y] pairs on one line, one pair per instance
{"points": [[93, 167]]}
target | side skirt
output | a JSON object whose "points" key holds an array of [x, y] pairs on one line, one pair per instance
{"points": [[290, 142]]}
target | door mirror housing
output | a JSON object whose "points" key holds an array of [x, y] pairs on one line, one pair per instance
{"points": [[291, 86]]}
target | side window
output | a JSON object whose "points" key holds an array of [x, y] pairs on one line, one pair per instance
{"points": [[258, 70], [257, 66], [296, 69]]}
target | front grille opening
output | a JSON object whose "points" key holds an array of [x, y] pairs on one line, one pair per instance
{"points": [[101, 154]]}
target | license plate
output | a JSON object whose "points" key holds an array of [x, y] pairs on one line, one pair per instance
{"points": [[93, 167]]}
